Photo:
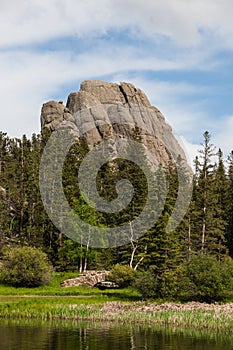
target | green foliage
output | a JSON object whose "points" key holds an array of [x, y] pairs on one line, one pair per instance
{"points": [[25, 267], [164, 286], [72, 256], [123, 275], [206, 279], [146, 284], [230, 205], [207, 227]]}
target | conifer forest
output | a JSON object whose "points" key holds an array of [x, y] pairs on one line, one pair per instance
{"points": [[207, 227]]}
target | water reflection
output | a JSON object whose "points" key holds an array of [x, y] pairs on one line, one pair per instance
{"points": [[21, 335]]}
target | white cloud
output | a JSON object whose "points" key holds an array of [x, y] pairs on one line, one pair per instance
{"points": [[174, 99], [187, 118], [29, 78], [223, 138], [191, 150], [185, 22]]}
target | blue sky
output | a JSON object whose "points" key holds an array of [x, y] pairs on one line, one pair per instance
{"points": [[179, 52]]}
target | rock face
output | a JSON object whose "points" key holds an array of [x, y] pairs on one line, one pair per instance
{"points": [[89, 279], [103, 111], [53, 113]]}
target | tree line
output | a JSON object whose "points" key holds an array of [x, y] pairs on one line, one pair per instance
{"points": [[207, 227]]}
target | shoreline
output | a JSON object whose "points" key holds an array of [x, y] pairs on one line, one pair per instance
{"points": [[194, 315]]}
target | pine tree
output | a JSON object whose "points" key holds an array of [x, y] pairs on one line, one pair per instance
{"points": [[189, 227], [221, 190], [110, 174], [230, 206], [163, 246], [6, 208], [206, 205]]}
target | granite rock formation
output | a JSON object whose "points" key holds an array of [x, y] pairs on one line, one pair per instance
{"points": [[102, 111]]}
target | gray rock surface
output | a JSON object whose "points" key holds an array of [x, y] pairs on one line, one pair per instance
{"points": [[102, 111], [53, 114], [88, 279]]}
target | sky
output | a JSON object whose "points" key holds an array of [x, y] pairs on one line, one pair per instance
{"points": [[179, 52]]}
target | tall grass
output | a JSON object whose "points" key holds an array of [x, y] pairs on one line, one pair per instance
{"points": [[69, 309], [188, 319], [53, 302]]}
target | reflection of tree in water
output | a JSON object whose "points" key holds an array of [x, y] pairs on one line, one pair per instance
{"points": [[14, 336], [21, 335]]}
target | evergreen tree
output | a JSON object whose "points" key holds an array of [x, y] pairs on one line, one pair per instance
{"points": [[6, 208], [230, 206], [207, 201], [221, 192], [163, 246], [205, 190], [190, 226], [207, 226]]}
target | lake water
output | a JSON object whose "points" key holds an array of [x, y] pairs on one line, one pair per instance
{"points": [[21, 335]]}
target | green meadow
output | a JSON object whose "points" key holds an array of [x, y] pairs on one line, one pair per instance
{"points": [[53, 302]]}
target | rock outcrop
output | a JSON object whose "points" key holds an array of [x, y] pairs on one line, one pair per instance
{"points": [[103, 111], [88, 279]]}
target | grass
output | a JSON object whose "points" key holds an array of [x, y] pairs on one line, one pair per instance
{"points": [[195, 319], [74, 309], [54, 289], [52, 302]]}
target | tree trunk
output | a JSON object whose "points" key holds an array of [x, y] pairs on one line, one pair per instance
{"points": [[133, 246]]}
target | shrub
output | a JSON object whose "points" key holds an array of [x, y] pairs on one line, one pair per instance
{"points": [[123, 275], [206, 279], [25, 267], [146, 284]]}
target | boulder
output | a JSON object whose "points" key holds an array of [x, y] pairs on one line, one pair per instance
{"points": [[88, 279]]}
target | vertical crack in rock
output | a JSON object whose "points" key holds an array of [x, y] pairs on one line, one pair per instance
{"points": [[124, 94]]}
